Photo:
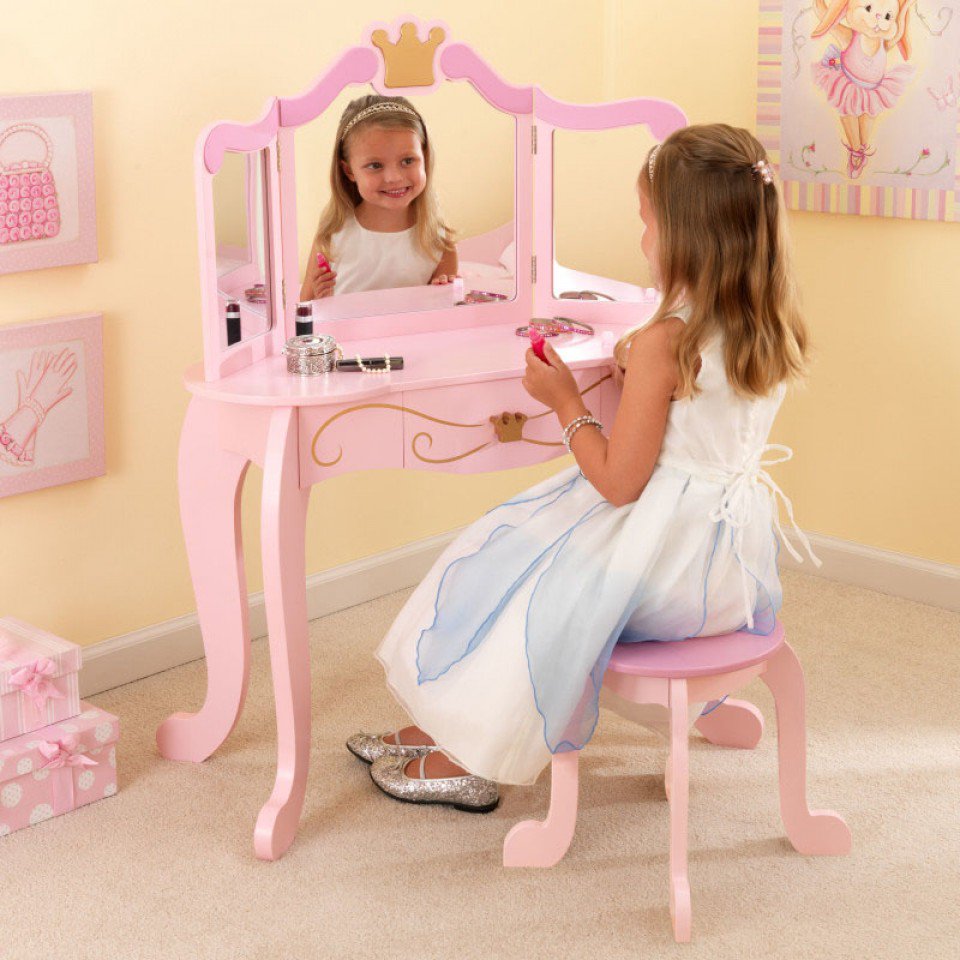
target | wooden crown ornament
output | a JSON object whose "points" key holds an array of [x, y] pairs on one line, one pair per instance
{"points": [[409, 61], [509, 426]]}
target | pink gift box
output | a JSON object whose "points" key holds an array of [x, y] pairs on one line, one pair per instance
{"points": [[57, 769], [38, 678]]}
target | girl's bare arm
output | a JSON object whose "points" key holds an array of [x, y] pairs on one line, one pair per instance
{"points": [[447, 267], [620, 467]]}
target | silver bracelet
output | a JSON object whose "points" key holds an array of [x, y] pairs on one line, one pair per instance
{"points": [[574, 422], [574, 425]]}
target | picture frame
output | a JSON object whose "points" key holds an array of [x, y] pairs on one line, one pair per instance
{"points": [[47, 192], [51, 402], [857, 125]]}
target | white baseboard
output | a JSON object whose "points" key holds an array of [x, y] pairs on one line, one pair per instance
{"points": [[897, 574], [154, 649], [151, 650]]}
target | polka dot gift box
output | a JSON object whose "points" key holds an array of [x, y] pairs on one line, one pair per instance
{"points": [[38, 678], [57, 769]]}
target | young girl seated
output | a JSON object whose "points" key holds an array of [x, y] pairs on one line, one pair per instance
{"points": [[382, 226], [664, 531]]}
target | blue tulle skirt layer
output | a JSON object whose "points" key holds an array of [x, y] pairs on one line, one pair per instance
{"points": [[499, 653]]}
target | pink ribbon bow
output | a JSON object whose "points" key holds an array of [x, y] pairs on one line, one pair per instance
{"points": [[34, 682], [61, 756], [64, 753]]}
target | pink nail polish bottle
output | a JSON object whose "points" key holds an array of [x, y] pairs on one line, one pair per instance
{"points": [[537, 341]]}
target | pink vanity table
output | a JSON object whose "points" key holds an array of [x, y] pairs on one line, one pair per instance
{"points": [[458, 405]]}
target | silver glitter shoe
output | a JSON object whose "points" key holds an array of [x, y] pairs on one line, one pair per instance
{"points": [[470, 793], [369, 747]]}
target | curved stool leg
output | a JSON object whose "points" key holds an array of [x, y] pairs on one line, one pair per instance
{"points": [[734, 723], [283, 520], [678, 777], [210, 481], [536, 843], [810, 831]]}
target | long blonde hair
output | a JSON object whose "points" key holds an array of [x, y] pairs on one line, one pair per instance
{"points": [[433, 236], [723, 252]]}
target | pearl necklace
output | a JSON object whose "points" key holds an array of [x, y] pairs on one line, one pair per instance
{"points": [[363, 369]]}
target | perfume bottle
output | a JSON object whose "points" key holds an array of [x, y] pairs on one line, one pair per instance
{"points": [[304, 319], [233, 323]]}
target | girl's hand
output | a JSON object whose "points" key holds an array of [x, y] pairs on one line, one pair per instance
{"points": [[442, 278], [552, 384], [324, 284]]}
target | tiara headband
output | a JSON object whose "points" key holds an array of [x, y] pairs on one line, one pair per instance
{"points": [[652, 161], [383, 106]]}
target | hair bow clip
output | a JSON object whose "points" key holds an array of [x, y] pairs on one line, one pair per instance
{"points": [[764, 169]]}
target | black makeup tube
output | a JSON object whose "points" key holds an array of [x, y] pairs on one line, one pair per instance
{"points": [[304, 319], [233, 323], [371, 363]]}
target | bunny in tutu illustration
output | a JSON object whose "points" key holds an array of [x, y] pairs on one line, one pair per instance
{"points": [[855, 75]]}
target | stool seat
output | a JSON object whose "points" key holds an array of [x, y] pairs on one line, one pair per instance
{"points": [[697, 657]]}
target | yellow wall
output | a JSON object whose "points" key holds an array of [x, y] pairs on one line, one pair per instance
{"points": [[875, 431]]}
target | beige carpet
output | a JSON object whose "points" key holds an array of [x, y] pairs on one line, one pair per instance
{"points": [[166, 869]]}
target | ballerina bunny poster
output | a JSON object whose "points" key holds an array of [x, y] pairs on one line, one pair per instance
{"points": [[858, 104], [51, 403]]}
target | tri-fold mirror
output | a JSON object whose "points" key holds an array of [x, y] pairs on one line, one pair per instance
{"points": [[539, 197]]}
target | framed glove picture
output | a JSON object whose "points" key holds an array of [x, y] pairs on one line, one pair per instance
{"points": [[47, 202], [51, 402]]}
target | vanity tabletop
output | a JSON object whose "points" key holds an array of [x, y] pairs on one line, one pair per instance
{"points": [[438, 359]]}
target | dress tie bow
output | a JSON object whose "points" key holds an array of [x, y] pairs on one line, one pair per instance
{"points": [[736, 509]]}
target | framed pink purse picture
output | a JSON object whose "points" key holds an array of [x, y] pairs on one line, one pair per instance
{"points": [[47, 198], [51, 402]]}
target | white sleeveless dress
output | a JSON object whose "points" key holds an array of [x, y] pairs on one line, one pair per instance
{"points": [[500, 651], [370, 260]]}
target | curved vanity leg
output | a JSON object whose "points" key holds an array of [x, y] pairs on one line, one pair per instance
{"points": [[678, 777], [810, 831], [734, 723], [283, 518], [536, 843], [210, 481]]}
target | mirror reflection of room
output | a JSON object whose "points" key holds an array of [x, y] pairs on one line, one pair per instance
{"points": [[411, 196], [593, 171], [241, 246]]}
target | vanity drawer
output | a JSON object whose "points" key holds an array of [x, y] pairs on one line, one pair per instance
{"points": [[352, 436], [492, 425]]}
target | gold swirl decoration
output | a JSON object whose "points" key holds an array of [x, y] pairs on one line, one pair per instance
{"points": [[429, 439]]}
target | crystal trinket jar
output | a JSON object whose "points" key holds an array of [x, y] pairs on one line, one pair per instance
{"points": [[311, 354]]}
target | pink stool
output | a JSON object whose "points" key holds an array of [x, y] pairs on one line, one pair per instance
{"points": [[673, 675]]}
